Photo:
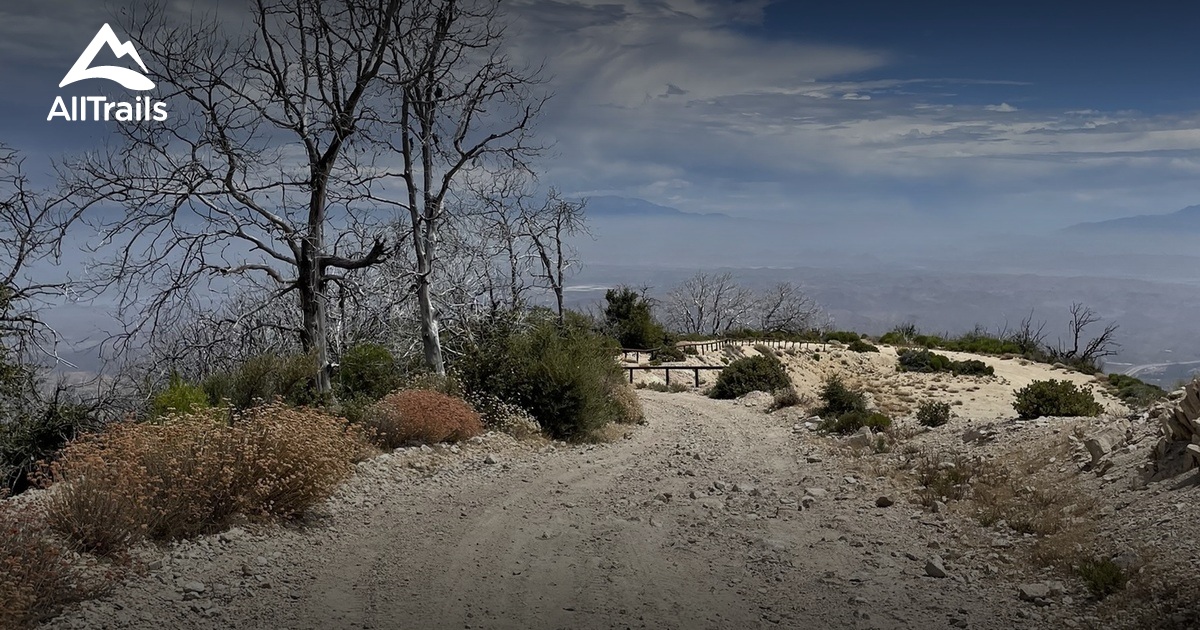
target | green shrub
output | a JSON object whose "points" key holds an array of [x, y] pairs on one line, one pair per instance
{"points": [[366, 371], [179, 397], [901, 334], [972, 367], [629, 319], [564, 377], [34, 433], [1054, 398], [844, 336], [758, 373], [893, 339], [1103, 577], [923, 360], [853, 421], [1134, 392], [933, 414], [838, 399], [668, 352], [263, 378], [859, 345], [354, 409]]}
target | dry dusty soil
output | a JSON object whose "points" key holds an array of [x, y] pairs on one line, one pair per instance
{"points": [[713, 515]]}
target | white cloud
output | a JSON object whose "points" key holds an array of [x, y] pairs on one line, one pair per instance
{"points": [[663, 99], [684, 102]]}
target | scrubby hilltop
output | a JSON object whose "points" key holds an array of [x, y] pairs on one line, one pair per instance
{"points": [[752, 512]]}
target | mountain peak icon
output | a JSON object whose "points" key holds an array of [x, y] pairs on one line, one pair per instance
{"points": [[130, 79]]}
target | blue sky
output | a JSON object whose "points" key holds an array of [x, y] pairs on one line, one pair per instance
{"points": [[1073, 55], [958, 116]]}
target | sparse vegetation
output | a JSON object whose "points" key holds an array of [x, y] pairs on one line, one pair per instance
{"points": [[1102, 576], [1027, 340], [37, 575], [838, 399], [944, 479], [762, 373], [786, 397], [853, 421], [858, 345], [1055, 398], [1134, 392], [628, 404], [673, 388], [933, 413]]}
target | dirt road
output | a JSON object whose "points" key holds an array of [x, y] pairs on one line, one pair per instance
{"points": [[712, 515]]}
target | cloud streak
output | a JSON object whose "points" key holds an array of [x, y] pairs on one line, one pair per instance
{"points": [[696, 104]]}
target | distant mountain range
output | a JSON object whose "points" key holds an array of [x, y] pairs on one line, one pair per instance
{"points": [[628, 207], [1185, 220]]}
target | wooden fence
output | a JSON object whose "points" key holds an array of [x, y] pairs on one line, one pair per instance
{"points": [[718, 344], [637, 353], [667, 370]]}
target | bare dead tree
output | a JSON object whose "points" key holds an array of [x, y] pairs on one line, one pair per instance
{"points": [[1028, 336], [497, 209], [1093, 350], [785, 308], [32, 228], [462, 104], [708, 304], [270, 175], [548, 228]]}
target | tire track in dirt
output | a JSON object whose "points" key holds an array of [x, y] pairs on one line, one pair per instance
{"points": [[697, 520]]}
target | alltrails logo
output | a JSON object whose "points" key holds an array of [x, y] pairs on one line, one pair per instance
{"points": [[99, 107]]}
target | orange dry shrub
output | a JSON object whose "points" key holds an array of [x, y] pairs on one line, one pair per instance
{"points": [[421, 415], [191, 474], [36, 577]]}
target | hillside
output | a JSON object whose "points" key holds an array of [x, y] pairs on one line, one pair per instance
{"points": [[898, 393], [721, 514], [1185, 220]]}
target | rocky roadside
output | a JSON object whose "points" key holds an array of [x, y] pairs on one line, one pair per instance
{"points": [[714, 515]]}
